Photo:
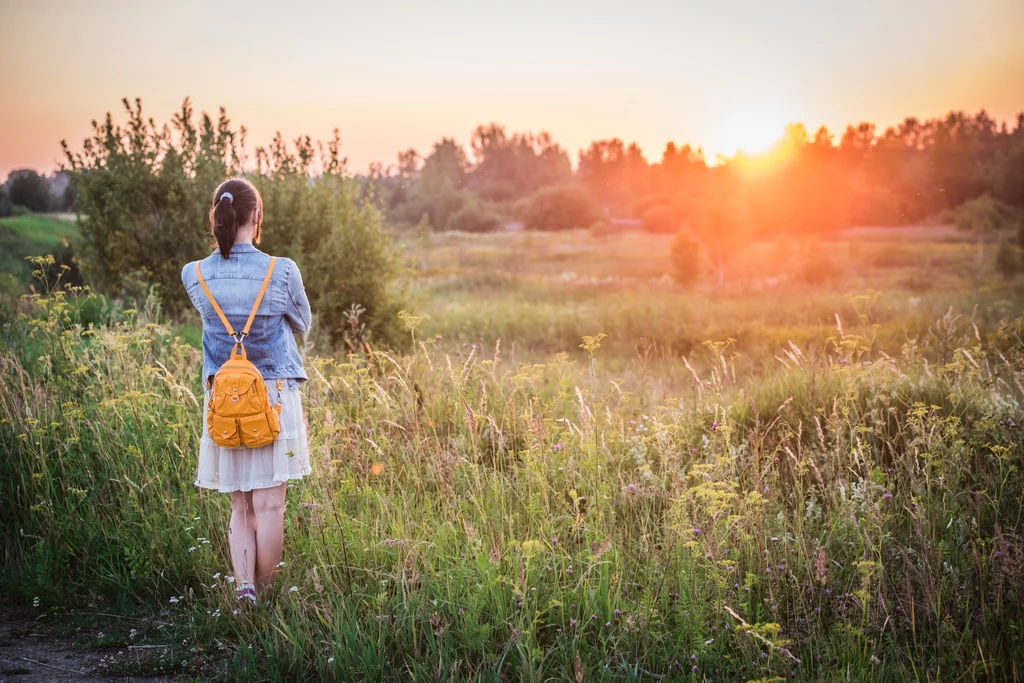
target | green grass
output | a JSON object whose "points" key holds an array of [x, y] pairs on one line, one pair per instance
{"points": [[33, 235], [831, 512]]}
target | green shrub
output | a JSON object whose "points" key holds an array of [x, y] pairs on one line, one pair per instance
{"points": [[560, 207], [685, 258], [660, 219], [474, 216]]}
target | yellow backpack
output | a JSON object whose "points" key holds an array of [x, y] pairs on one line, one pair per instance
{"points": [[239, 411]]}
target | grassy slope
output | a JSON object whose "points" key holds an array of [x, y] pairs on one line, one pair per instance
{"points": [[33, 235]]}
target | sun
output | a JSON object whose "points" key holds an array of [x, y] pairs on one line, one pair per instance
{"points": [[753, 128]]}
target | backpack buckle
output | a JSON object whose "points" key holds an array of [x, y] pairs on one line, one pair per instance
{"points": [[239, 336]]}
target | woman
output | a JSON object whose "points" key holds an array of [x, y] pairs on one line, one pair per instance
{"points": [[256, 478]]}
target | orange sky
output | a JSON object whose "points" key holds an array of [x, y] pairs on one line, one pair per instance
{"points": [[397, 75]]}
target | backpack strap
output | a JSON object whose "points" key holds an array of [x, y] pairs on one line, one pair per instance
{"points": [[213, 302], [259, 297], [252, 314]]}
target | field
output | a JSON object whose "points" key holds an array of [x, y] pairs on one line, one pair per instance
{"points": [[811, 472], [32, 235]]}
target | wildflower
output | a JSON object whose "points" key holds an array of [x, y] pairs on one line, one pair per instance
{"points": [[192, 549], [632, 487], [697, 532], [572, 624], [217, 575], [231, 579], [607, 624], [280, 564], [694, 669], [293, 589], [173, 601], [568, 570], [330, 660], [377, 469], [714, 426], [35, 601], [557, 447], [886, 495]]}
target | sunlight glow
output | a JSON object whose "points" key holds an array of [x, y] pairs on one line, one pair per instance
{"points": [[754, 128]]}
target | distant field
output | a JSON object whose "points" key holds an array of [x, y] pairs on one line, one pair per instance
{"points": [[33, 235], [541, 292]]}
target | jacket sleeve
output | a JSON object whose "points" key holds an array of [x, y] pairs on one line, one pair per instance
{"points": [[297, 311], [188, 278]]}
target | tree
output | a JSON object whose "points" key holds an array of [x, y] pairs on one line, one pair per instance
{"points": [[513, 166], [27, 188], [446, 165], [562, 207], [726, 223], [984, 216], [615, 174], [685, 258], [144, 193], [6, 209]]}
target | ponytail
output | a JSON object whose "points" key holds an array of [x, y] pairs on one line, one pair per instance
{"points": [[225, 228], [236, 202]]}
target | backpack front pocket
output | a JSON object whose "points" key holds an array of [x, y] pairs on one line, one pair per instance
{"points": [[259, 430], [223, 430]]}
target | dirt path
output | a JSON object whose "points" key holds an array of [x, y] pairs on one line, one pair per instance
{"points": [[35, 648]]}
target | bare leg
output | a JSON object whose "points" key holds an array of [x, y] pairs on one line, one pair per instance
{"points": [[242, 537], [269, 506]]}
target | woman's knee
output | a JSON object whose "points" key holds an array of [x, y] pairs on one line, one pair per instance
{"points": [[269, 501]]}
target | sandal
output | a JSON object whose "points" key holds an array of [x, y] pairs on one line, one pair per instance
{"points": [[247, 590]]}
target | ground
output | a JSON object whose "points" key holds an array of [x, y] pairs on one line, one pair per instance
{"points": [[37, 647]]}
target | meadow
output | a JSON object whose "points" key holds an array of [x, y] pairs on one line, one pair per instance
{"points": [[578, 471]]}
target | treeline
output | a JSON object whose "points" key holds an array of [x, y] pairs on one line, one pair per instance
{"points": [[142, 191], [806, 184], [25, 191]]}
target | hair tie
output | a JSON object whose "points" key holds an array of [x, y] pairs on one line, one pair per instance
{"points": [[231, 197]]}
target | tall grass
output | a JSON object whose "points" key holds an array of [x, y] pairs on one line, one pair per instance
{"points": [[846, 516]]}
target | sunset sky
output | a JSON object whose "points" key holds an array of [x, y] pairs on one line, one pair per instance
{"points": [[394, 75]]}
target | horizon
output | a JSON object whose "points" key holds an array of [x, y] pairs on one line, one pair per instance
{"points": [[390, 81]]}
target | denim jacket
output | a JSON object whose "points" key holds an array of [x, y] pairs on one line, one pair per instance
{"points": [[234, 283]]}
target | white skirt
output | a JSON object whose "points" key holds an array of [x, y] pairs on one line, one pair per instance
{"points": [[245, 469]]}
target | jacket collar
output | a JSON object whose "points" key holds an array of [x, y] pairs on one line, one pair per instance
{"points": [[240, 249]]}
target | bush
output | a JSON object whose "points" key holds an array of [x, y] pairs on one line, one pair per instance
{"points": [[474, 216], [661, 219], [560, 207], [985, 214], [685, 259], [145, 202], [1007, 259]]}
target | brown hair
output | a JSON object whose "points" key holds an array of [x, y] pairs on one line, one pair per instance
{"points": [[238, 207]]}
